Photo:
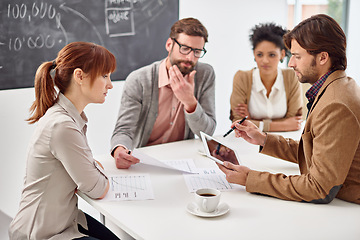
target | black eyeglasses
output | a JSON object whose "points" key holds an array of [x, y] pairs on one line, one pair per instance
{"points": [[183, 49]]}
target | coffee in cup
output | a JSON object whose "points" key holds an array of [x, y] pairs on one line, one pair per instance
{"points": [[207, 199]]}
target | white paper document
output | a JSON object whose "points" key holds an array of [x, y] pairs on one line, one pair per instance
{"points": [[208, 178], [129, 187], [184, 165]]}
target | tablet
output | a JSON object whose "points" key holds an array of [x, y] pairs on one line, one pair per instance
{"points": [[217, 151]]}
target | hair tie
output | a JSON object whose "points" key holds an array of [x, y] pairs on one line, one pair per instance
{"points": [[52, 71], [53, 65]]}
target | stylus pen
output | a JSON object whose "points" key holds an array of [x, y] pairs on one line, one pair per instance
{"points": [[232, 129]]}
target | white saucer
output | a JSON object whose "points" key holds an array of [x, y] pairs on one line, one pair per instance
{"points": [[222, 209]]}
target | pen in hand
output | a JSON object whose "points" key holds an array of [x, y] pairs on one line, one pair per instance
{"points": [[232, 129]]}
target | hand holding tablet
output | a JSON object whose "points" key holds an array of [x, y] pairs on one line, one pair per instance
{"points": [[234, 173]]}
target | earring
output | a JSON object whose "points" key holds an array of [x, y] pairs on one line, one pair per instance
{"points": [[282, 60]]}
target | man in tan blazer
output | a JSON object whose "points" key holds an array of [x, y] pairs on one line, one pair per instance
{"points": [[328, 153]]}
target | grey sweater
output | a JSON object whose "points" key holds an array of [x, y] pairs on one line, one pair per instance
{"points": [[139, 106]]}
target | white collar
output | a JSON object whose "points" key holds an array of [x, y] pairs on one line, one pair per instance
{"points": [[259, 86]]}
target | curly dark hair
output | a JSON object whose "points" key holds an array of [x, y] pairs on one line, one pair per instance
{"points": [[268, 32]]}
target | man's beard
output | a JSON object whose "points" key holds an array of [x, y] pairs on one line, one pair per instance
{"points": [[310, 76], [183, 70]]}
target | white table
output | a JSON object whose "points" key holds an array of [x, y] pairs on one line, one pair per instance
{"points": [[251, 216]]}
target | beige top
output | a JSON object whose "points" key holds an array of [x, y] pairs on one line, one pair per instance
{"points": [[59, 161], [242, 85]]}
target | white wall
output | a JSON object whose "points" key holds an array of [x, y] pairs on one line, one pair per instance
{"points": [[14, 137], [228, 23], [353, 40]]}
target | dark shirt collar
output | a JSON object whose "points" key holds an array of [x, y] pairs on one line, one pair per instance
{"points": [[314, 89]]}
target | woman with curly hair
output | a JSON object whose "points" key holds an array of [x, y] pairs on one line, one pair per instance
{"points": [[268, 95]]}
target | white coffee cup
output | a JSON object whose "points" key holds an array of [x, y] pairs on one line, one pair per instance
{"points": [[207, 199]]}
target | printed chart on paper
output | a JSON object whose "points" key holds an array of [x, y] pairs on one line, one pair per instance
{"points": [[207, 178], [129, 187]]}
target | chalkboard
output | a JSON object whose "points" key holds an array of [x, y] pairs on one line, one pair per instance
{"points": [[33, 31]]}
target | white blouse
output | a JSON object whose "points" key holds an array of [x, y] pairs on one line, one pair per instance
{"points": [[260, 106]]}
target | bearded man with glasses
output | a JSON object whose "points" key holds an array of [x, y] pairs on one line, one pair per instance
{"points": [[168, 100]]}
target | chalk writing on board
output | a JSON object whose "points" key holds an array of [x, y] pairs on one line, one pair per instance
{"points": [[33, 31], [119, 18], [24, 13]]}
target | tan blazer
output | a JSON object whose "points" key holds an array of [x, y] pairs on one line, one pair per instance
{"points": [[241, 93], [328, 153]]}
